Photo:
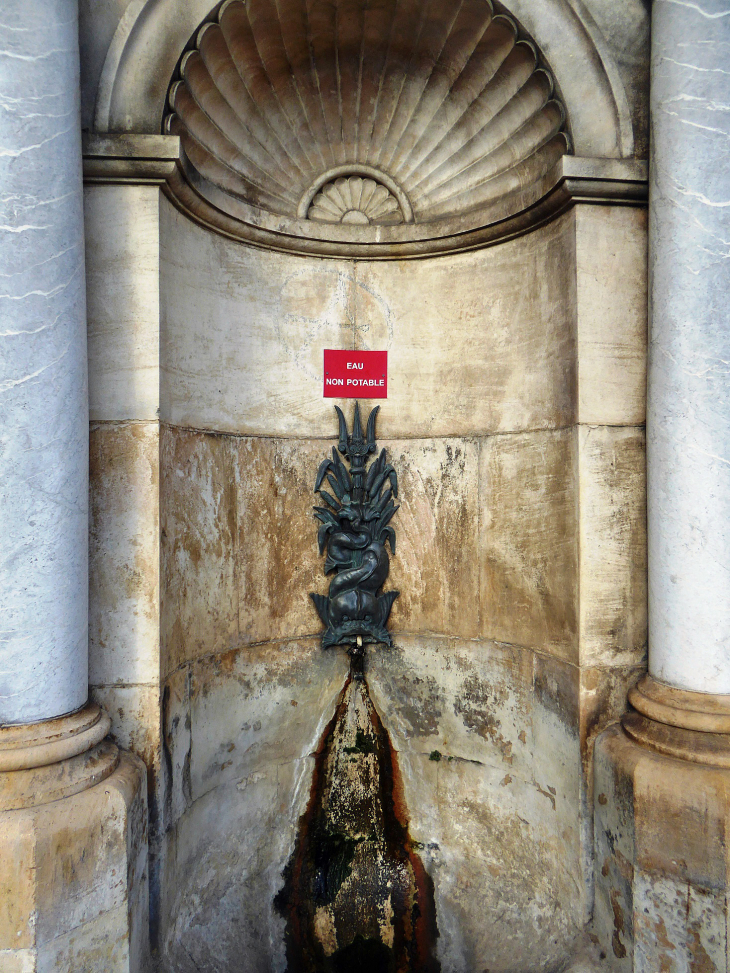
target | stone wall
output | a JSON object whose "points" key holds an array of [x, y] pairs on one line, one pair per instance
{"points": [[515, 422]]}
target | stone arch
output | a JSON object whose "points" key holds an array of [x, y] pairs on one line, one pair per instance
{"points": [[151, 35]]}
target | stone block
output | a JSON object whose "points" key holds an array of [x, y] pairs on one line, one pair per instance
{"points": [[78, 869], [100, 944], [611, 271], [225, 867], [277, 560], [124, 602], [528, 541], [436, 564], [199, 614], [457, 700], [135, 712], [242, 345], [487, 742], [135, 715], [479, 342], [18, 961], [17, 881], [661, 858], [613, 571], [504, 876], [258, 706], [123, 301]]}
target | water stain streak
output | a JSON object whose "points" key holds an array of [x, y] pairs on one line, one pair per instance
{"points": [[356, 896]]}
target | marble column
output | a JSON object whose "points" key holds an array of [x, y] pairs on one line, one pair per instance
{"points": [[73, 814], [688, 402], [662, 778], [43, 375]]}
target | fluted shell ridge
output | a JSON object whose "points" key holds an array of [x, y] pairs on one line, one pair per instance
{"points": [[395, 111]]}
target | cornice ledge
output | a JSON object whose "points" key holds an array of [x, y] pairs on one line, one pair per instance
{"points": [[605, 180], [156, 160], [130, 159]]}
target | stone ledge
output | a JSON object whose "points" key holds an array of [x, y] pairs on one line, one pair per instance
{"points": [[157, 160], [134, 159]]}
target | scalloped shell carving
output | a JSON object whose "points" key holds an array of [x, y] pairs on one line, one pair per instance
{"points": [[355, 201], [445, 99]]}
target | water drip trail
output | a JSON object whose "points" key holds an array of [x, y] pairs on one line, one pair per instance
{"points": [[356, 895]]}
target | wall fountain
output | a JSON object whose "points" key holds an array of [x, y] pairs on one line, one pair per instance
{"points": [[357, 896]]}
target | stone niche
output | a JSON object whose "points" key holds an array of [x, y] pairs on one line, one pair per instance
{"points": [[514, 419]]}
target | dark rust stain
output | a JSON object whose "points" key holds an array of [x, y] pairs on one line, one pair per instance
{"points": [[356, 895], [618, 925], [700, 960]]}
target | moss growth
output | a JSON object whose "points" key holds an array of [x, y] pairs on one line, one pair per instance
{"points": [[363, 744], [435, 755]]}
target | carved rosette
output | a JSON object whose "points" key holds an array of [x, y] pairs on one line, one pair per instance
{"points": [[355, 201]]}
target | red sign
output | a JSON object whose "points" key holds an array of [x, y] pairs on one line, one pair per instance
{"points": [[355, 374]]}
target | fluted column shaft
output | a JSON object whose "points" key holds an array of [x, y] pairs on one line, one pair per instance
{"points": [[43, 374], [688, 408]]}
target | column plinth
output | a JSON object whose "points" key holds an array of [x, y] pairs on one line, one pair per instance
{"points": [[73, 848], [679, 723]]}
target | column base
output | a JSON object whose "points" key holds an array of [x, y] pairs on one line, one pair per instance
{"points": [[73, 849], [662, 833]]}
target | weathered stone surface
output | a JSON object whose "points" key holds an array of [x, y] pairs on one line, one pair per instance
{"points": [[17, 885], [123, 301], [242, 346], [277, 560], [612, 503], [100, 944], [436, 564], [225, 865], [480, 342], [240, 765], [176, 744], [611, 309], [488, 738], [528, 541], [124, 598], [625, 31], [18, 960], [661, 861], [468, 700], [488, 746], [259, 705], [198, 529], [77, 874], [135, 716]]}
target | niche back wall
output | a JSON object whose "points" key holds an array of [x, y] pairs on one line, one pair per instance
{"points": [[514, 420]]}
